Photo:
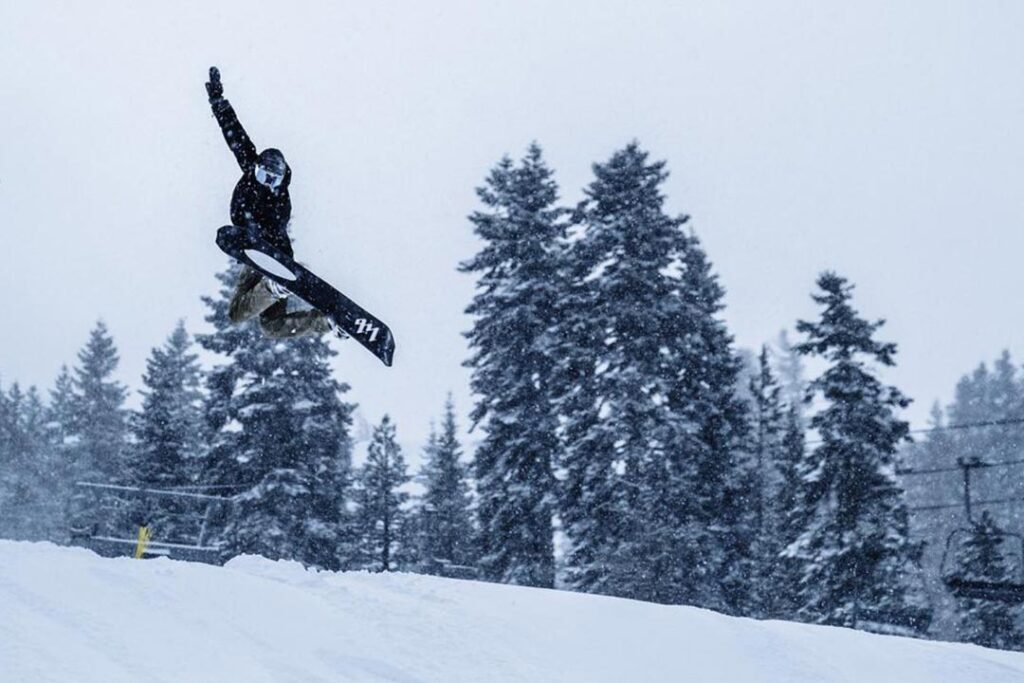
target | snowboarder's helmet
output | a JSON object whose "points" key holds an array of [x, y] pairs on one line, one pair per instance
{"points": [[271, 168]]}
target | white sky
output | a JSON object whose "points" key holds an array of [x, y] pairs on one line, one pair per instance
{"points": [[880, 139]]}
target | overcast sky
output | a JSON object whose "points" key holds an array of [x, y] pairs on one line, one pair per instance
{"points": [[879, 139]]}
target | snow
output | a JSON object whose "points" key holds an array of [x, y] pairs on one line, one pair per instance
{"points": [[673, 270], [69, 615], [600, 269]]}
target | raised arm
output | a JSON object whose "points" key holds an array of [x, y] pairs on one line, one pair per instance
{"points": [[236, 137]]}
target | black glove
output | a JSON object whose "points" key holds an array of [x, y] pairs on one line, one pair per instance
{"points": [[214, 88]]}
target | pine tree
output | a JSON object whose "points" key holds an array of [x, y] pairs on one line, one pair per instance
{"points": [[100, 428], [618, 382], [47, 519], [60, 434], [987, 396], [515, 309], [278, 434], [239, 345], [382, 516], [1007, 390], [652, 494], [789, 368], [26, 512], [858, 564], [768, 431], [10, 474], [706, 397], [168, 437], [167, 428], [37, 455], [8, 470], [983, 558], [447, 525], [790, 517]]}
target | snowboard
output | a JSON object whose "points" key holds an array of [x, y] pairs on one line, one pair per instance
{"points": [[248, 248]]}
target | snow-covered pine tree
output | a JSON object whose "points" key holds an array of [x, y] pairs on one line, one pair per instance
{"points": [[321, 422], [26, 512], [982, 557], [60, 439], [168, 438], [768, 431], [859, 567], [617, 415], [100, 434], [714, 437], [446, 525], [417, 534], [515, 310], [46, 518], [278, 434], [995, 395], [381, 513], [9, 475], [648, 390], [1007, 390], [789, 368], [984, 395], [790, 517]]}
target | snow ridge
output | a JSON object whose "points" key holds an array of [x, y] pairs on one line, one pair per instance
{"points": [[71, 615]]}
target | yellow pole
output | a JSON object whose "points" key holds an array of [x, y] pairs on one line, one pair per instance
{"points": [[140, 547]]}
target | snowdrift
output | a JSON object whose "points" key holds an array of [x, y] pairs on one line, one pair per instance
{"points": [[69, 615]]}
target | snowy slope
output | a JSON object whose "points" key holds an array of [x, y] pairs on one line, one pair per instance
{"points": [[68, 615]]}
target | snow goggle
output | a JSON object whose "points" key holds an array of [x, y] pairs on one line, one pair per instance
{"points": [[265, 176]]}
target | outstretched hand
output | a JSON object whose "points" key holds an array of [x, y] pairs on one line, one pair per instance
{"points": [[213, 87]]}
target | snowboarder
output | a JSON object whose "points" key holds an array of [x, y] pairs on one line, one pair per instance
{"points": [[261, 203]]}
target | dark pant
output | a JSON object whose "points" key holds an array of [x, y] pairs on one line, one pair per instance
{"points": [[254, 296]]}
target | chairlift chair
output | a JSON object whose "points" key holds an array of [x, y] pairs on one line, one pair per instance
{"points": [[1009, 592]]}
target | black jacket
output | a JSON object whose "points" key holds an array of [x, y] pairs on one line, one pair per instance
{"points": [[251, 202]]}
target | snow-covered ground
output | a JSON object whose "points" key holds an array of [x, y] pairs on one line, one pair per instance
{"points": [[68, 615]]}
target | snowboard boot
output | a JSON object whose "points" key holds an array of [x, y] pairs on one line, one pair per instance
{"points": [[277, 322], [253, 295]]}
